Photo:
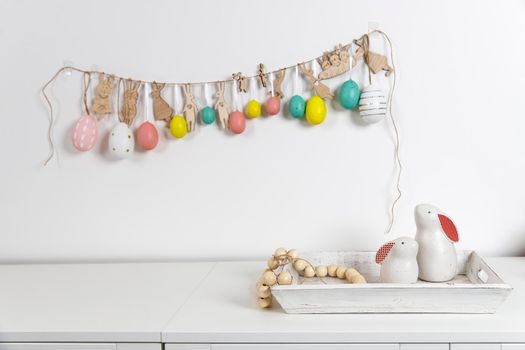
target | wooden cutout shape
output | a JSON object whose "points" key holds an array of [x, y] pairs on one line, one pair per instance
{"points": [[129, 108], [161, 109], [221, 106], [190, 108], [102, 103], [334, 63], [263, 80], [375, 61], [242, 83], [277, 84], [320, 89]]}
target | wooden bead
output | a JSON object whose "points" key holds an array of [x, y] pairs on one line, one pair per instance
{"points": [[263, 291], [284, 278], [293, 254], [279, 253], [350, 273], [273, 263], [332, 270], [359, 279], [309, 271], [269, 278], [264, 302], [340, 272], [321, 271], [299, 265]]}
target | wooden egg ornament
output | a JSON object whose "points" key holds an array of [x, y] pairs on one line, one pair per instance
{"points": [[359, 279], [279, 253], [315, 110], [284, 278], [372, 104], [350, 273], [85, 133], [178, 127], [121, 141], [262, 290], [273, 105], [208, 115], [309, 271], [264, 302], [349, 94], [292, 254], [253, 109], [299, 265], [236, 122], [297, 106], [340, 272], [332, 270], [273, 263], [269, 278], [321, 271], [147, 136]]}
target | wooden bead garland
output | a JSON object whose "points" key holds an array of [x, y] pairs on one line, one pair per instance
{"points": [[275, 273]]}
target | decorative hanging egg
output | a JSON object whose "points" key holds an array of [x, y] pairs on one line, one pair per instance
{"points": [[273, 105], [349, 94], [147, 136], [297, 106], [208, 115], [85, 133], [315, 110], [121, 142], [178, 127], [372, 104], [253, 109], [236, 122]]}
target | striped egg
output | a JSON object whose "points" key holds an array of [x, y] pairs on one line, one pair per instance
{"points": [[372, 104], [85, 133]]}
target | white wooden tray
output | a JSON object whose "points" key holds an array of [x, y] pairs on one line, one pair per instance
{"points": [[476, 289]]}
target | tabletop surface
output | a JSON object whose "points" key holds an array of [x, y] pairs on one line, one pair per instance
{"points": [[214, 303], [223, 310]]}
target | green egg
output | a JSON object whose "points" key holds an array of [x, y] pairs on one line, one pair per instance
{"points": [[349, 94], [208, 115], [297, 106]]}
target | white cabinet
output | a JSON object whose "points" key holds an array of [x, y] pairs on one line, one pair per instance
{"points": [[513, 347], [475, 346], [443, 346], [305, 347], [56, 346]]}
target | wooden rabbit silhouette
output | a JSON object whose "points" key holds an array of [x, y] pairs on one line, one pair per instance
{"points": [[129, 108], [242, 83], [161, 109], [277, 84], [221, 106], [321, 89], [190, 108], [102, 102]]}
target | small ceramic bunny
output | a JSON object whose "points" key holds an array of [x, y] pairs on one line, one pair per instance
{"points": [[436, 235], [161, 109], [221, 106], [129, 108], [190, 108], [102, 102], [398, 260]]}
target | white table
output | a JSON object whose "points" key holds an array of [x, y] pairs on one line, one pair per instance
{"points": [[197, 306]]}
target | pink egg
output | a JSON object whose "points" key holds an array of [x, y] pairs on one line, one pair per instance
{"points": [[273, 105], [236, 122], [85, 133], [147, 136]]}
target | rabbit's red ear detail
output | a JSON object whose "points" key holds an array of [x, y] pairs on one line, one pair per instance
{"points": [[383, 252], [449, 228]]}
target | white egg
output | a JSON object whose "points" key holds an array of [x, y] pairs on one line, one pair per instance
{"points": [[121, 142], [372, 104]]}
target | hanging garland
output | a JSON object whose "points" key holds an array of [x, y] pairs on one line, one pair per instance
{"points": [[371, 101]]}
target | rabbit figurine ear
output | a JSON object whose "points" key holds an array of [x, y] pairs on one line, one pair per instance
{"points": [[383, 252]]}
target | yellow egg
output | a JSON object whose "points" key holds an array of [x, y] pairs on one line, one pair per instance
{"points": [[253, 109], [315, 110], [178, 126]]}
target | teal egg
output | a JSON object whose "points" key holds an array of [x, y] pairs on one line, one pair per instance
{"points": [[349, 94], [208, 115], [297, 106]]}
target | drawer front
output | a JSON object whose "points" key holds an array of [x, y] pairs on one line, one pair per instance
{"points": [[56, 346], [444, 346], [475, 346], [305, 347]]}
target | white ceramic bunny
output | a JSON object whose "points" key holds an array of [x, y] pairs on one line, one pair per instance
{"points": [[398, 261], [436, 235]]}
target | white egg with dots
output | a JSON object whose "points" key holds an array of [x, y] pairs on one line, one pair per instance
{"points": [[121, 141]]}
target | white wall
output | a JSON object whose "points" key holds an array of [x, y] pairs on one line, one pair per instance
{"points": [[460, 106]]}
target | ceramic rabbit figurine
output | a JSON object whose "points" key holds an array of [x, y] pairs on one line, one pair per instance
{"points": [[190, 108], [102, 102], [398, 260], [129, 108], [161, 109], [221, 106], [436, 235]]}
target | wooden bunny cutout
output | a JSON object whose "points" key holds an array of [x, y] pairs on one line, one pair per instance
{"points": [[102, 102], [221, 106], [129, 108], [261, 75], [277, 84], [242, 83], [190, 108], [320, 89], [161, 109]]}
